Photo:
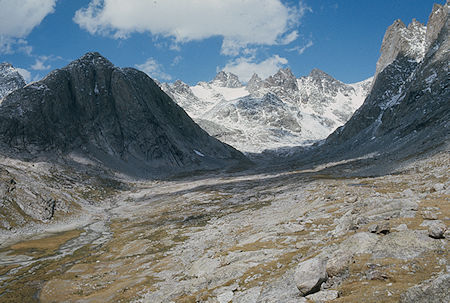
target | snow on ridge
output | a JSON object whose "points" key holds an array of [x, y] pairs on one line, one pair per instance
{"points": [[280, 111]]}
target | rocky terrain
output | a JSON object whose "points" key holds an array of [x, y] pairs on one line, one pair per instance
{"points": [[10, 79], [276, 112], [361, 217], [299, 236]]}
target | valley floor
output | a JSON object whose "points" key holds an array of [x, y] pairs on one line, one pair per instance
{"points": [[241, 238]]}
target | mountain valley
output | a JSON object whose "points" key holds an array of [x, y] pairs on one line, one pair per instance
{"points": [[115, 187]]}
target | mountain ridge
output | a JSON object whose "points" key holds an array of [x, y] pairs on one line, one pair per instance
{"points": [[246, 117]]}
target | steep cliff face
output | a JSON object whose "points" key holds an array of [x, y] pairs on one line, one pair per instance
{"points": [[408, 108], [400, 40], [119, 117], [10, 79]]}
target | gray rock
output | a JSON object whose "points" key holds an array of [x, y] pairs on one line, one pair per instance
{"points": [[437, 230], [401, 227], [404, 245], [309, 276], [323, 296], [429, 215], [225, 297], [433, 291], [380, 228], [338, 264]]}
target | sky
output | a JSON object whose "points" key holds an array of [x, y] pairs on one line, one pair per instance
{"points": [[192, 40]]}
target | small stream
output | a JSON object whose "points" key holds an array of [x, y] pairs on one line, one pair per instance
{"points": [[96, 233]]}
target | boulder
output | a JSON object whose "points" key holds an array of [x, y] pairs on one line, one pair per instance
{"points": [[434, 291], [310, 275], [437, 230]]}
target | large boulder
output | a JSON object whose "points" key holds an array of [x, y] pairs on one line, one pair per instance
{"points": [[310, 275]]}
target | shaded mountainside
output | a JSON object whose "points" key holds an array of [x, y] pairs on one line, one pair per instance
{"points": [[118, 117], [408, 108], [10, 79]]}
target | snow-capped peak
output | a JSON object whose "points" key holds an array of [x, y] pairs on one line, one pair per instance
{"points": [[266, 114], [226, 79]]}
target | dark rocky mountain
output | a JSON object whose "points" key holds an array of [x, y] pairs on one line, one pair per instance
{"points": [[10, 79], [408, 108], [118, 117]]}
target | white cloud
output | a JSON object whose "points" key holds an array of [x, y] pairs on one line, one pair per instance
{"points": [[40, 65], [290, 38], [152, 68], [301, 49], [246, 67], [24, 73], [176, 60], [18, 18], [240, 23]]}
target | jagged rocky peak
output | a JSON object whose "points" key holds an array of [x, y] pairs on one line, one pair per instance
{"points": [[317, 74], [119, 117], [437, 19], [181, 87], [407, 110], [401, 40], [10, 79], [284, 78], [254, 84], [226, 79]]}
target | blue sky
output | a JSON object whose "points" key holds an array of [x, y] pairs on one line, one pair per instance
{"points": [[191, 39]]}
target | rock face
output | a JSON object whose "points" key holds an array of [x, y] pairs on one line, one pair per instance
{"points": [[401, 40], [272, 113], [10, 79], [119, 117], [435, 291], [407, 110]]}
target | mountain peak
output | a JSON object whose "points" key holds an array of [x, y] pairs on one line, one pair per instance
{"points": [[92, 58], [226, 79], [436, 21], [318, 74], [400, 40], [284, 78], [118, 116], [254, 84], [10, 79]]}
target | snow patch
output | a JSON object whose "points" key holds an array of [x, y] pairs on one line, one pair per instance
{"points": [[198, 153]]}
